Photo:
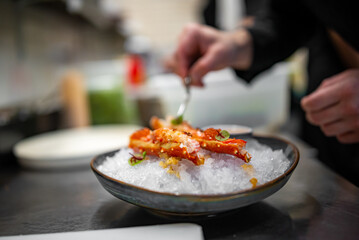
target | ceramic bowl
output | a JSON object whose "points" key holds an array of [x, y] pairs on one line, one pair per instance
{"points": [[198, 205]]}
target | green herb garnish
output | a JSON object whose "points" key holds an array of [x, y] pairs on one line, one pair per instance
{"points": [[222, 135], [136, 159], [178, 120]]}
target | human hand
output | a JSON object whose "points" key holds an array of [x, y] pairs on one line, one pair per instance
{"points": [[202, 49], [334, 106]]}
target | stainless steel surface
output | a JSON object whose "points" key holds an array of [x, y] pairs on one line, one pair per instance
{"points": [[316, 203], [183, 106]]}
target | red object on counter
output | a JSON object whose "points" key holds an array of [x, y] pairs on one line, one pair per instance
{"points": [[135, 70]]}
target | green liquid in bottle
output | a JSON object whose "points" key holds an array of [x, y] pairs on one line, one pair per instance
{"points": [[107, 106]]}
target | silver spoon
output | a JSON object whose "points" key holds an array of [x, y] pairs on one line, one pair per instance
{"points": [[184, 104]]}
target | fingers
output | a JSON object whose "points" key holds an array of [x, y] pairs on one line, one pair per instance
{"points": [[350, 137], [201, 68], [331, 90], [188, 48], [333, 80], [339, 78], [334, 107], [201, 50], [340, 127], [212, 60], [345, 126], [325, 116], [170, 63], [322, 98]]}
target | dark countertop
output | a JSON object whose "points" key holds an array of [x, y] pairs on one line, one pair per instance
{"points": [[316, 203]]}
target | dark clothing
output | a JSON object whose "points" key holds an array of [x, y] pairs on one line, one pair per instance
{"points": [[283, 27]]}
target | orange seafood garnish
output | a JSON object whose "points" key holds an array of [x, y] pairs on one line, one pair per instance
{"points": [[184, 141], [207, 138], [167, 143], [156, 123], [230, 146]]}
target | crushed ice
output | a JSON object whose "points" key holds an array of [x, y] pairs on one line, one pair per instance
{"points": [[221, 173]]}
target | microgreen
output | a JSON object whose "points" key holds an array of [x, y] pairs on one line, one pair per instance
{"points": [[222, 135], [178, 120], [136, 159]]}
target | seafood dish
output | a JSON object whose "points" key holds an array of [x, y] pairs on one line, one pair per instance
{"points": [[174, 168], [175, 157], [185, 142]]}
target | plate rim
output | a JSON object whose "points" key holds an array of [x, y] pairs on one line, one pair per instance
{"points": [[19, 154]]}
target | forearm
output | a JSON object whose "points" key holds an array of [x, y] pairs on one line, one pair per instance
{"points": [[242, 54]]}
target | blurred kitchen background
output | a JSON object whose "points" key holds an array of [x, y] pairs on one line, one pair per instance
{"points": [[77, 63]]}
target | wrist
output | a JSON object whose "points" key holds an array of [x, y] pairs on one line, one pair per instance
{"points": [[243, 49]]}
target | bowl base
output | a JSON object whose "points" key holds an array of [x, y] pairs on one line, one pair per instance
{"points": [[191, 216]]}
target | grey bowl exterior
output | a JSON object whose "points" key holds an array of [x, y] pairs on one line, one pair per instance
{"points": [[190, 204]]}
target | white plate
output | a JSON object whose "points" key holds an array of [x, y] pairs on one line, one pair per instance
{"points": [[73, 147], [174, 231]]}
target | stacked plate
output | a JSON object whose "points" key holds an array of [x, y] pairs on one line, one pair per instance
{"points": [[73, 147]]}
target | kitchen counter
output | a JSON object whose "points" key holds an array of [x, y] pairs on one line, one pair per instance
{"points": [[316, 203]]}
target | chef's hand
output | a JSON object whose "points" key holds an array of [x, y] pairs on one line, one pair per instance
{"points": [[202, 49], [334, 106]]}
